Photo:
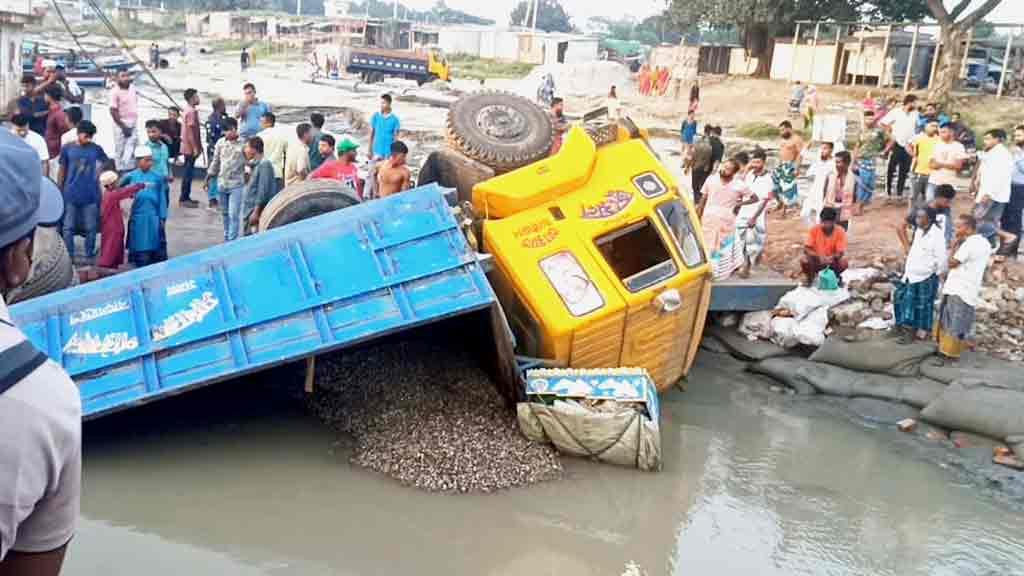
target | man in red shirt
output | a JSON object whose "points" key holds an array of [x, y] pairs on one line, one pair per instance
{"points": [[825, 247], [56, 120], [343, 169], [191, 147]]}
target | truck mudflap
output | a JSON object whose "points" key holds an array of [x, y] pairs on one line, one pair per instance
{"points": [[314, 286]]}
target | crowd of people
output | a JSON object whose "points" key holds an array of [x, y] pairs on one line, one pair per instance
{"points": [[249, 159], [946, 255]]}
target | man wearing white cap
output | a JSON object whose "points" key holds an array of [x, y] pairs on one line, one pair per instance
{"points": [[147, 243], [40, 409]]}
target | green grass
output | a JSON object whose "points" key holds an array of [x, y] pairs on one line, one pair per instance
{"points": [[763, 131], [484, 68]]}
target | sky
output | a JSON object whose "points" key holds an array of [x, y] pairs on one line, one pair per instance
{"points": [[580, 10]]}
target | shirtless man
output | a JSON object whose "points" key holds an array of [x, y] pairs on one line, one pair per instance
{"points": [[393, 175], [791, 146]]}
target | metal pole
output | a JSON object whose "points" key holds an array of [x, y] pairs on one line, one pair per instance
{"points": [[885, 55], [967, 50], [814, 49], [1006, 62], [536, 8], [860, 60], [913, 53], [792, 57]]}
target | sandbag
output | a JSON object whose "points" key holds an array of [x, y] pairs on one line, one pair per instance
{"points": [[1016, 443], [625, 436], [994, 371], [978, 407], [807, 377], [741, 347], [712, 344], [797, 373], [879, 355]]}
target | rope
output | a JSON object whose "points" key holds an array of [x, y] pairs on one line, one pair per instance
{"points": [[127, 49]]}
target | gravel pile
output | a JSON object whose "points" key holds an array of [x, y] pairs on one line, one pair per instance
{"points": [[428, 417]]}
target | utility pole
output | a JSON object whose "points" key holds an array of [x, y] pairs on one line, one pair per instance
{"points": [[298, 8], [536, 7], [396, 11]]}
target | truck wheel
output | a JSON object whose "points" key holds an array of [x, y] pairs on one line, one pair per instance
{"points": [[51, 267], [304, 200], [499, 129]]}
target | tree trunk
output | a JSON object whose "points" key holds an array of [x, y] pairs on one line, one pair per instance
{"points": [[759, 44], [947, 75]]}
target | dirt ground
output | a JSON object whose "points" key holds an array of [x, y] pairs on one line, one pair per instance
{"points": [[734, 101], [872, 238]]}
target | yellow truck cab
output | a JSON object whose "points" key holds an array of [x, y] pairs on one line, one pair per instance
{"points": [[438, 64], [597, 257]]}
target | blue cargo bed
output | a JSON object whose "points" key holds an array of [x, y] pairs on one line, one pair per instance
{"points": [[310, 287]]}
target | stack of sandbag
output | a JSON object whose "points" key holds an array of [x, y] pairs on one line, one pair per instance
{"points": [[809, 377], [607, 415]]}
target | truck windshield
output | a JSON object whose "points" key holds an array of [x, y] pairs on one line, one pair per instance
{"points": [[637, 255], [677, 219]]}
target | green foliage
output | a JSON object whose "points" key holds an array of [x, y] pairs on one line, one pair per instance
{"points": [[483, 68], [653, 30], [896, 10], [551, 16]]}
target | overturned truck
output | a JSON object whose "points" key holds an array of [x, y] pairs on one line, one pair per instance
{"points": [[588, 259]]}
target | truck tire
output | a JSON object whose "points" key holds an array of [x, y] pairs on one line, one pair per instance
{"points": [[51, 267], [499, 129], [304, 200]]}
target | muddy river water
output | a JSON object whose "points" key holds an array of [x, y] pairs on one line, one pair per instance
{"points": [[237, 479]]}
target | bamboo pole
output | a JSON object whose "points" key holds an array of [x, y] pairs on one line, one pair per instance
{"points": [[1006, 64], [814, 50], [913, 54], [839, 54], [967, 51], [935, 63], [792, 58], [860, 60], [885, 55]]}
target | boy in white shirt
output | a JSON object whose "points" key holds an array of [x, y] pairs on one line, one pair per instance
{"points": [[961, 292]]}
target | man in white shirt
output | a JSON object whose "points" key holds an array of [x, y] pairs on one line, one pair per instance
{"points": [[752, 221], [901, 125], [821, 168], [947, 159], [960, 293], [992, 182], [40, 409], [21, 130], [914, 297], [275, 143]]}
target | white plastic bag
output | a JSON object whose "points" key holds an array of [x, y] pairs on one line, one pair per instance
{"points": [[757, 325]]}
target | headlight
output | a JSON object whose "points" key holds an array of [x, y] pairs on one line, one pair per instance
{"points": [[572, 283]]}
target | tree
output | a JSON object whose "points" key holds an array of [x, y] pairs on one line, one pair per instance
{"points": [[760, 21], [895, 10], [954, 26], [551, 16]]}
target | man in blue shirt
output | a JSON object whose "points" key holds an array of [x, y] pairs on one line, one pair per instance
{"points": [[147, 243], [249, 112], [32, 104], [79, 181], [384, 127]]}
